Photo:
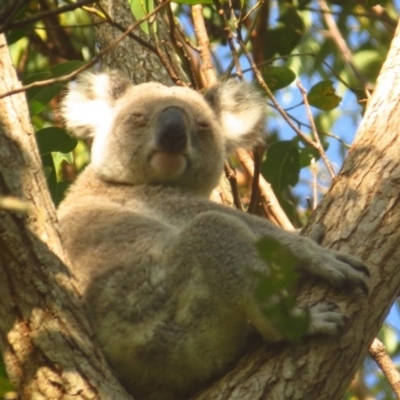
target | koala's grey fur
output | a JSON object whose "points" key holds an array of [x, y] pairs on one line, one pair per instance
{"points": [[167, 275]]}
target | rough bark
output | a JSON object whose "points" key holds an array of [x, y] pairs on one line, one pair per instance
{"points": [[135, 60], [361, 213], [44, 335]]}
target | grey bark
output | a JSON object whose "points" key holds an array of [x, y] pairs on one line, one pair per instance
{"points": [[44, 336], [131, 57]]}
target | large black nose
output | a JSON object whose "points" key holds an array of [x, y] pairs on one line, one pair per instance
{"points": [[172, 130]]}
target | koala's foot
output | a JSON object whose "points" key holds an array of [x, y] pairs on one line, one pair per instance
{"points": [[349, 271], [326, 318], [339, 269]]}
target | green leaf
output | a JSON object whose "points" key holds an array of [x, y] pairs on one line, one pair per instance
{"points": [[307, 154], [322, 95], [369, 62], [54, 139], [66, 68], [274, 290], [60, 189], [282, 165], [282, 169], [281, 40], [290, 17], [14, 35], [42, 98], [303, 4], [5, 386], [287, 35], [278, 77], [373, 3], [281, 262], [140, 8], [194, 2], [39, 97], [56, 189], [41, 76], [48, 166]]}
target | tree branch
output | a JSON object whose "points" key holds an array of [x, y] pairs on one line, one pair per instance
{"points": [[378, 352], [44, 335]]}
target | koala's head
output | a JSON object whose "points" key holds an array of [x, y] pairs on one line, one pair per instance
{"points": [[153, 134]]}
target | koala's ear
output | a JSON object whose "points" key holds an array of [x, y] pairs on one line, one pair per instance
{"points": [[88, 106], [240, 109]]}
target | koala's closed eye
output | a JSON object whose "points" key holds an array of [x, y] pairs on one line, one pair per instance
{"points": [[137, 119], [203, 125]]}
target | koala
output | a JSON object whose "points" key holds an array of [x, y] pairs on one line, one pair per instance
{"points": [[168, 277]]}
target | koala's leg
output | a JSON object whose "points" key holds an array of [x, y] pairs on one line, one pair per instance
{"points": [[223, 248]]}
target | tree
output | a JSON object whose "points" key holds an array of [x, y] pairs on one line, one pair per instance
{"points": [[44, 335]]}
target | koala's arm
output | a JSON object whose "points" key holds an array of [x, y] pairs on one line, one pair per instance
{"points": [[335, 267]]}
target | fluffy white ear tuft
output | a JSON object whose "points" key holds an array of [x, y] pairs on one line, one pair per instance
{"points": [[88, 106], [240, 109]]}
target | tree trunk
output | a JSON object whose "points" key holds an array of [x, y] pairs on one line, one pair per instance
{"points": [[361, 213], [44, 335], [138, 62]]}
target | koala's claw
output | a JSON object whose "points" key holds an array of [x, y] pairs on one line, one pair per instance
{"points": [[326, 318], [359, 283], [355, 263], [356, 276], [339, 269]]}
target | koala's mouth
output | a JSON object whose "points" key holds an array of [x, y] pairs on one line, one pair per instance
{"points": [[168, 166]]}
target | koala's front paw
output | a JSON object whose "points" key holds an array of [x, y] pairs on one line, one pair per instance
{"points": [[326, 318], [339, 269]]}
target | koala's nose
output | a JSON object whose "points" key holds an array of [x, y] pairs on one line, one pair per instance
{"points": [[172, 130]]}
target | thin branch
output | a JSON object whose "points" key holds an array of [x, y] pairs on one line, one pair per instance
{"points": [[252, 9], [284, 57], [229, 37], [266, 192], [342, 45], [301, 123], [39, 16], [177, 25], [207, 66], [272, 204], [314, 184], [255, 184], [8, 14], [259, 35], [228, 70], [93, 61], [314, 131], [14, 204], [184, 47], [378, 352], [230, 174], [165, 58], [106, 18], [281, 111], [383, 17]]}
